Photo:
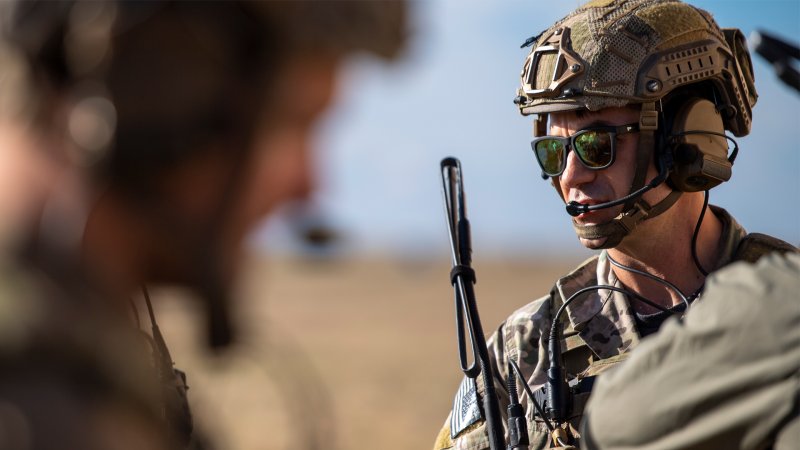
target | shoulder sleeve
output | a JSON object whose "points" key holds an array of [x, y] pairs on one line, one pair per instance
{"points": [[755, 245], [443, 440], [727, 377], [464, 428], [519, 338]]}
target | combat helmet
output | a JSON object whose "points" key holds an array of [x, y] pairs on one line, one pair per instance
{"points": [[659, 55]]}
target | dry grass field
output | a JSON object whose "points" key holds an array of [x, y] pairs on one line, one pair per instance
{"points": [[340, 354]]}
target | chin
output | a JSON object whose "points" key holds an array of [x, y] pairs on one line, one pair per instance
{"points": [[593, 244], [598, 217]]}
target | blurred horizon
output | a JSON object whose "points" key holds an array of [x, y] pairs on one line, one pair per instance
{"points": [[380, 146]]}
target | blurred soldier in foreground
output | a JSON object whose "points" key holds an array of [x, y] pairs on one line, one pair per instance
{"points": [[158, 134], [726, 377], [632, 100]]}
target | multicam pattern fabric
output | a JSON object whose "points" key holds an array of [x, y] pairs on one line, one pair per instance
{"points": [[614, 40], [599, 331]]}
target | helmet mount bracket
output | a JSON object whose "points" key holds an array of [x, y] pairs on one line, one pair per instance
{"points": [[567, 66]]}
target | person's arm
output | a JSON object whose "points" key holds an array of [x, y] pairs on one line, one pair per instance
{"points": [[726, 377]]}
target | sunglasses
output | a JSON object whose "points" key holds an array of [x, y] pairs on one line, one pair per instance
{"points": [[595, 148]]}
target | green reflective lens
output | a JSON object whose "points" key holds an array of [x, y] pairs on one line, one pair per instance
{"points": [[594, 148], [550, 153]]}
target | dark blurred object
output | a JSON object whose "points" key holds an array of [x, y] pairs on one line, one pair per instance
{"points": [[157, 85], [781, 54], [319, 235]]}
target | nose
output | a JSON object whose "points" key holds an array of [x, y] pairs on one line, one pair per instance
{"points": [[305, 179], [575, 173]]}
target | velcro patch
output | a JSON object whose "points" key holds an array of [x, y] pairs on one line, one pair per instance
{"points": [[466, 409], [540, 397]]}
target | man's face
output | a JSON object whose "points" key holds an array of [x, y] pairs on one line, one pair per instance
{"points": [[277, 169], [280, 166], [589, 187]]}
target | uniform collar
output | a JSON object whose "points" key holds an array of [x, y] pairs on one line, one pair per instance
{"points": [[604, 318]]}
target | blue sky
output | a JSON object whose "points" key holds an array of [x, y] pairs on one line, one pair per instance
{"points": [[379, 149]]}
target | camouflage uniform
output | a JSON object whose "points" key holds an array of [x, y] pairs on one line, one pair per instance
{"points": [[599, 332], [727, 376]]}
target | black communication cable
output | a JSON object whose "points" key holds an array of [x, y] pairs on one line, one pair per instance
{"points": [[666, 283], [557, 389], [697, 232], [530, 395], [598, 288], [517, 426]]}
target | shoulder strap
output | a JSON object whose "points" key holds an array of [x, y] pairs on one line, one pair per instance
{"points": [[576, 353], [177, 412], [755, 245]]}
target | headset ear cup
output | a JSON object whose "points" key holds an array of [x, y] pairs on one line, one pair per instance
{"points": [[684, 154], [698, 146]]}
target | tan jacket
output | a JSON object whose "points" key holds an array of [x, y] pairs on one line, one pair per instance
{"points": [[726, 377]]}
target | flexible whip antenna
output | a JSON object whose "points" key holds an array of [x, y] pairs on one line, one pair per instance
{"points": [[462, 276]]}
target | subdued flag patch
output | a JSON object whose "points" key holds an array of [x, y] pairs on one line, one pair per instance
{"points": [[466, 409]]}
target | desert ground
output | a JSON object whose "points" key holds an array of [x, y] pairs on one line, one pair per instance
{"points": [[339, 354]]}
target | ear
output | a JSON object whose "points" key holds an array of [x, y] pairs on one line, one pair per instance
{"points": [[699, 147]]}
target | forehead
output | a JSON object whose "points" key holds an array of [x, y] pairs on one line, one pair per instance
{"points": [[575, 120], [303, 86]]}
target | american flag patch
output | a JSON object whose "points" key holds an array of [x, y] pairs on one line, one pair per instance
{"points": [[466, 409]]}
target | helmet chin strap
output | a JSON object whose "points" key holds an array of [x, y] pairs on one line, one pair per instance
{"points": [[635, 210], [617, 228]]}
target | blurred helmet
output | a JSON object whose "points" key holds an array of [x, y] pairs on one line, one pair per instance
{"points": [[150, 84], [168, 68]]}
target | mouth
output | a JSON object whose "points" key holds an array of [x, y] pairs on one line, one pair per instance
{"points": [[588, 202]]}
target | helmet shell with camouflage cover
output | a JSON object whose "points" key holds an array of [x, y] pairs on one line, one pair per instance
{"points": [[612, 53]]}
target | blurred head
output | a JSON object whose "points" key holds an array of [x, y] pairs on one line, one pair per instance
{"points": [[669, 70], [191, 120]]}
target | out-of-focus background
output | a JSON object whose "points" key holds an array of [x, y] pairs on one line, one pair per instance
{"points": [[352, 344]]}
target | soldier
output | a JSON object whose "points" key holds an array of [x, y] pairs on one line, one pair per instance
{"points": [[727, 376], [175, 128], [632, 100]]}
